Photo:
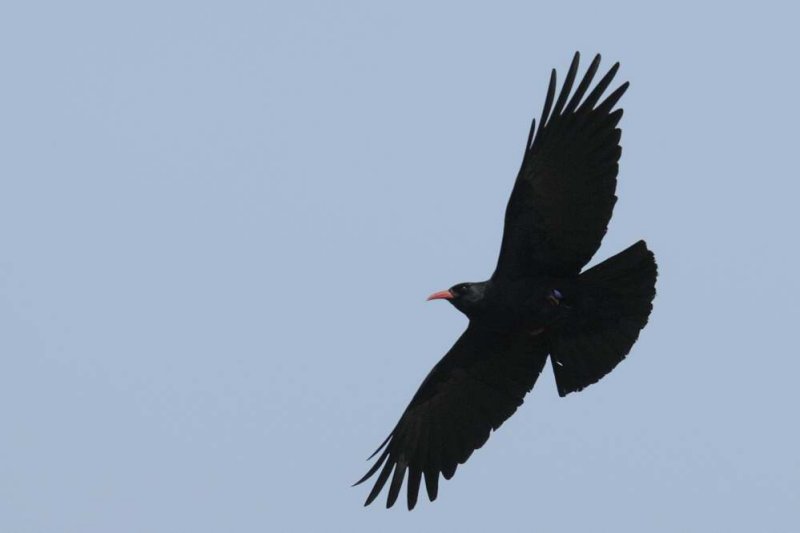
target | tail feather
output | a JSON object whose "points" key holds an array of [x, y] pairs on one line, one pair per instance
{"points": [[613, 306]]}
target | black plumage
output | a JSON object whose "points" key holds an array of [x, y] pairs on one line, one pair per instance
{"points": [[537, 302]]}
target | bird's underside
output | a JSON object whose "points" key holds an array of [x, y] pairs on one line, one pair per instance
{"points": [[537, 302]]}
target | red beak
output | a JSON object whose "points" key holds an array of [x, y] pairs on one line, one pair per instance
{"points": [[441, 295]]}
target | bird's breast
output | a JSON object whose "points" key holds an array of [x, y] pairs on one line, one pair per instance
{"points": [[529, 303]]}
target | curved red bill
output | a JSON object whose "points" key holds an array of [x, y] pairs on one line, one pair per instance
{"points": [[441, 295]]}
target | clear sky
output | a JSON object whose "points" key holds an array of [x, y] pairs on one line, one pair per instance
{"points": [[219, 223]]}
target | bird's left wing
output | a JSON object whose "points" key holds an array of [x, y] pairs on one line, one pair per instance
{"points": [[470, 392], [563, 197]]}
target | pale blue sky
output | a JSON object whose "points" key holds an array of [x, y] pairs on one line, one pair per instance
{"points": [[219, 222]]}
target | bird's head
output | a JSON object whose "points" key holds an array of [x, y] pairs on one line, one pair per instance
{"points": [[466, 297]]}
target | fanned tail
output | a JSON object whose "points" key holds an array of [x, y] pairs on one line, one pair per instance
{"points": [[613, 306]]}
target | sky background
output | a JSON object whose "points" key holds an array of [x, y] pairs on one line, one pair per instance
{"points": [[219, 223]]}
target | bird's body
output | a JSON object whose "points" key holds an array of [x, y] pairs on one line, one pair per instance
{"points": [[515, 304], [538, 302]]}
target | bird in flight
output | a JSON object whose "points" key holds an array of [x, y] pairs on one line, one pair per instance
{"points": [[537, 302]]}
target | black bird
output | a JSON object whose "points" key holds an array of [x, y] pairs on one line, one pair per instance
{"points": [[537, 302]]}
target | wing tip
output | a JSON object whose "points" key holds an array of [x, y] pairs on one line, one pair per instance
{"points": [[383, 444]]}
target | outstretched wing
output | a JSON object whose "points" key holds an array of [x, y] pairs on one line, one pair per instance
{"points": [[470, 392], [564, 194]]}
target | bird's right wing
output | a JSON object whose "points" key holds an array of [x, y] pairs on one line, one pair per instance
{"points": [[563, 197], [470, 392]]}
